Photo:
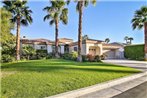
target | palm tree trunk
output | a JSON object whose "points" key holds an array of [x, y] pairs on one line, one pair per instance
{"points": [[80, 31], [18, 40], [56, 39], [145, 46]]}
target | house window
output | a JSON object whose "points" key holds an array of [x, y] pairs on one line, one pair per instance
{"points": [[43, 47], [75, 49]]}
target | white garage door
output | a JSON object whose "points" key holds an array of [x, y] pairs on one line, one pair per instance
{"points": [[110, 54]]}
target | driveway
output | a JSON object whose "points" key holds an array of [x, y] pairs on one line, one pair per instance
{"points": [[141, 65]]}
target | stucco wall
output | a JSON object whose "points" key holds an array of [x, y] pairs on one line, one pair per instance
{"points": [[83, 52], [99, 48], [49, 48], [39, 46]]}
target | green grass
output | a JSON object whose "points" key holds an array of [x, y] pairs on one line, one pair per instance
{"points": [[42, 78]]}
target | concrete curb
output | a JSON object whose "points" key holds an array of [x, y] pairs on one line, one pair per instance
{"points": [[97, 87]]}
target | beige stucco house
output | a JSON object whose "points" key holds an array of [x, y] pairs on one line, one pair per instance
{"points": [[89, 46]]}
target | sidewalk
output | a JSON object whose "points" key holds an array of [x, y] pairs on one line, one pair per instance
{"points": [[118, 89], [139, 91]]}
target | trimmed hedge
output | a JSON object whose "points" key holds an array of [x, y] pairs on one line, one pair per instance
{"points": [[134, 52]]}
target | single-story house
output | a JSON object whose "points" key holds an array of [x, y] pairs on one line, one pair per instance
{"points": [[89, 46]]}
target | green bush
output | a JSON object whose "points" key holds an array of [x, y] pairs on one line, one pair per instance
{"points": [[41, 54], [28, 52], [73, 55], [103, 57], [84, 58], [135, 52], [70, 56], [49, 56], [97, 58], [7, 58]]}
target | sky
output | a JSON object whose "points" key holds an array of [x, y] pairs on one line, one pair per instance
{"points": [[108, 19]]}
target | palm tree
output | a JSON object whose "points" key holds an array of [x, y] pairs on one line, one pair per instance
{"points": [[126, 39], [56, 13], [130, 40], [107, 40], [21, 15], [80, 6], [85, 37], [139, 21]]}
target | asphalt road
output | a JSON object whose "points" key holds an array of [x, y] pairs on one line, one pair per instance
{"points": [[139, 91]]}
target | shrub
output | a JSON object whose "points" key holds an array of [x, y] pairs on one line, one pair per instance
{"points": [[7, 58], [70, 56], [97, 58], [41, 54], [84, 58], [66, 56], [28, 51], [90, 57], [49, 56], [135, 52], [73, 55], [103, 57]]}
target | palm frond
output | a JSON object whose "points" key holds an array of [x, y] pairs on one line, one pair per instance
{"points": [[48, 16], [93, 2], [86, 2], [24, 22], [52, 22]]}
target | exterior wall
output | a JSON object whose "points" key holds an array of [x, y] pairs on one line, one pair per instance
{"points": [[98, 48], [62, 49], [120, 53], [37, 47], [49, 48], [71, 49], [83, 52], [114, 54]]}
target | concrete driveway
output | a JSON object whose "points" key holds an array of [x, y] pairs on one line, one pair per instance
{"points": [[141, 65]]}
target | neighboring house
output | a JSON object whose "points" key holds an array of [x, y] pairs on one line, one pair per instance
{"points": [[89, 46]]}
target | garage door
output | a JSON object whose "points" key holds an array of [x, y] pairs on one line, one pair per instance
{"points": [[110, 54]]}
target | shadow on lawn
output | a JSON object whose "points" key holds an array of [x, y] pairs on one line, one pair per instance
{"points": [[58, 67]]}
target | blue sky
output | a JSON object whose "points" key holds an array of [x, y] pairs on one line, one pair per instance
{"points": [[108, 19]]}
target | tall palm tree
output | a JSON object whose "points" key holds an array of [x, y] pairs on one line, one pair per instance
{"points": [[126, 39], [139, 21], [56, 13], [130, 40], [21, 15], [80, 6], [107, 40]]}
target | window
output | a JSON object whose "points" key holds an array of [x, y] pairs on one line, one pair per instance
{"points": [[43, 47], [75, 49]]}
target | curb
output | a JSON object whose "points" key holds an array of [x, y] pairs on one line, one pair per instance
{"points": [[97, 87]]}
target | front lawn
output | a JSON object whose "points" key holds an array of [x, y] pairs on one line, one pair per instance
{"points": [[42, 78]]}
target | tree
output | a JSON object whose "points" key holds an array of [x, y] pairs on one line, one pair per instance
{"points": [[80, 6], [139, 21], [85, 37], [56, 13], [130, 40], [107, 40], [7, 39], [21, 15], [28, 51], [6, 26], [126, 39]]}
